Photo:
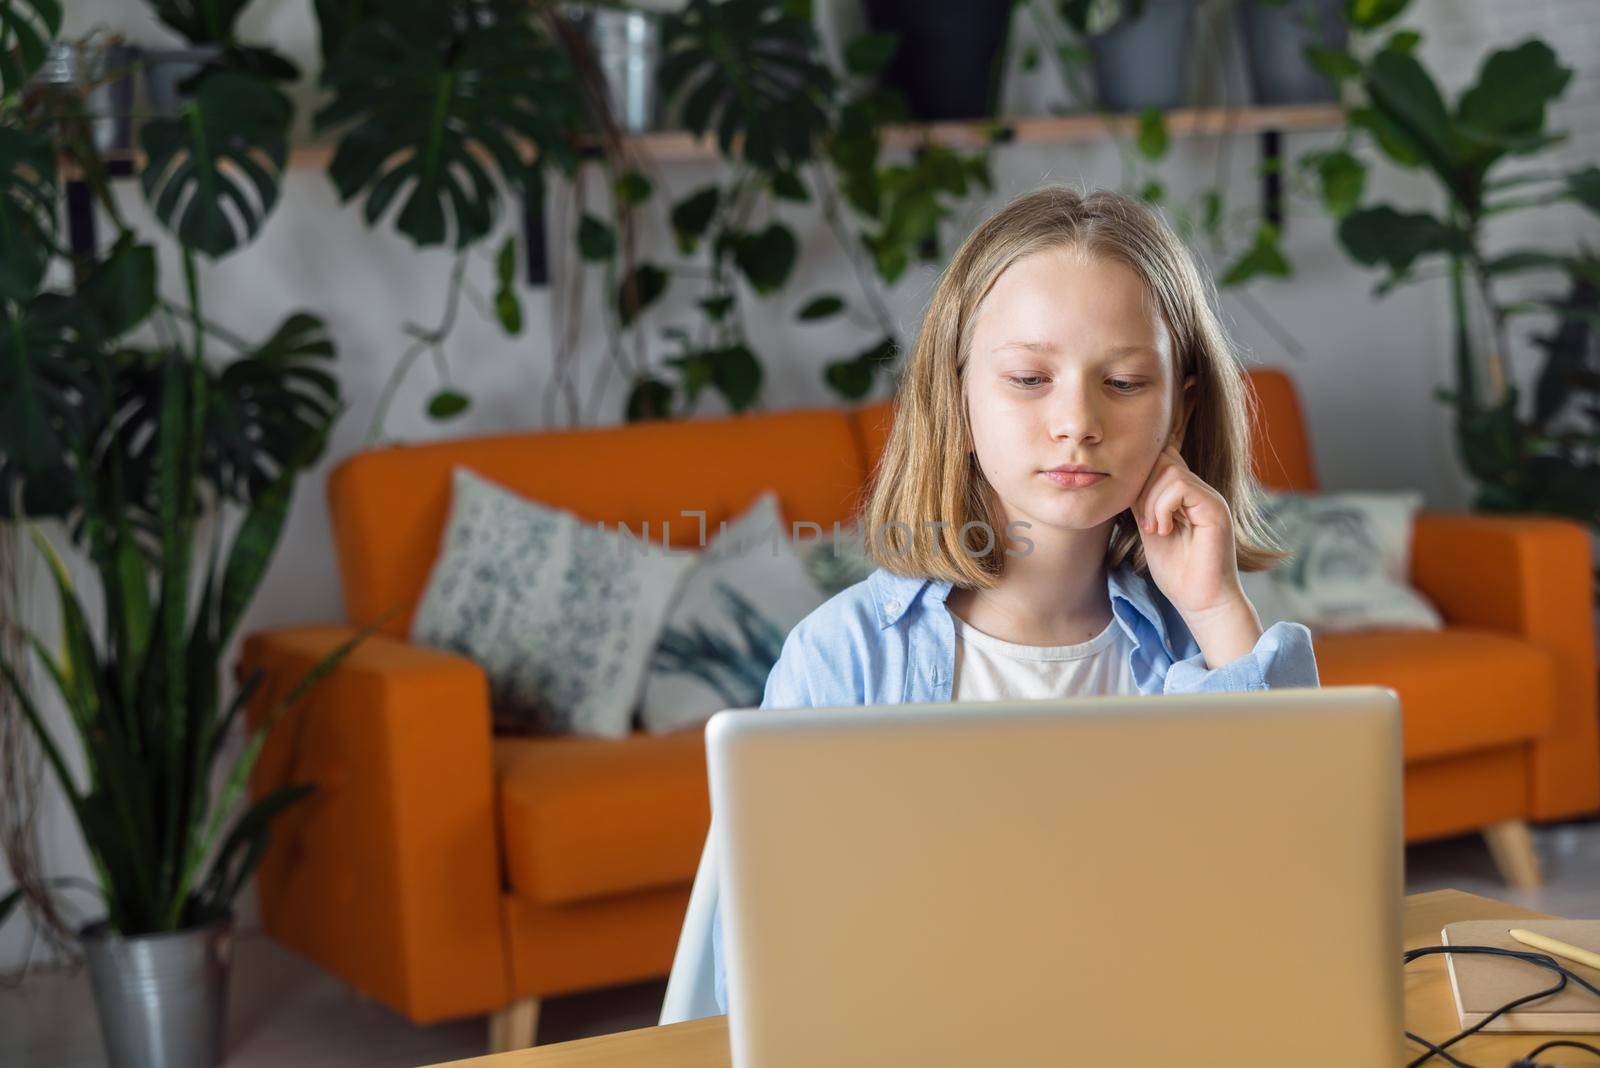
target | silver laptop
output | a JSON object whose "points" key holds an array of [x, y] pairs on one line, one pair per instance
{"points": [[1205, 879]]}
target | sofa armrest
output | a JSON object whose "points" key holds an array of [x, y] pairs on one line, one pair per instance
{"points": [[1531, 576], [388, 873]]}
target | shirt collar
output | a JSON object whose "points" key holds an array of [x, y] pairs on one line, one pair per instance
{"points": [[893, 596]]}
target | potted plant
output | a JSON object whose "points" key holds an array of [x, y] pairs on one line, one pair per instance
{"points": [[1277, 34], [1139, 50], [152, 453], [149, 456], [1538, 460], [950, 56], [438, 112]]}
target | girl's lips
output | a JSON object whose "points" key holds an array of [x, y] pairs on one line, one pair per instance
{"points": [[1074, 479]]}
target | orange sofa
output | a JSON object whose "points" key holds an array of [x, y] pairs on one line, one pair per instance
{"points": [[447, 872]]}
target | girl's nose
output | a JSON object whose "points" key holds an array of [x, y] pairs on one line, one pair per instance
{"points": [[1075, 414]]}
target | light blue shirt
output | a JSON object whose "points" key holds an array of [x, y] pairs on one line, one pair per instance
{"points": [[890, 640]]}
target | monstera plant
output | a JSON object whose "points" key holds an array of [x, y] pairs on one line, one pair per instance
{"points": [[437, 108], [171, 468]]}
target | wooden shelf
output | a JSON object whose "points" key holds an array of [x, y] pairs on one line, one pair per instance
{"points": [[1044, 129], [669, 146]]}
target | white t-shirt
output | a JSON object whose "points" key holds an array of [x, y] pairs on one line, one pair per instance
{"points": [[988, 669]]}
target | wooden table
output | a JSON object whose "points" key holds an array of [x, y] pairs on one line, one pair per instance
{"points": [[1430, 1012]]}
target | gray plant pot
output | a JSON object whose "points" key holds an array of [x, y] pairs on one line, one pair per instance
{"points": [[162, 998], [165, 68], [1275, 40], [1144, 63]]}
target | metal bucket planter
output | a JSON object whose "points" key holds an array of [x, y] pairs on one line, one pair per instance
{"points": [[627, 49], [1144, 62], [1275, 41], [162, 998]]}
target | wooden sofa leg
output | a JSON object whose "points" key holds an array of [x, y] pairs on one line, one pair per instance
{"points": [[1511, 846], [514, 1026]]}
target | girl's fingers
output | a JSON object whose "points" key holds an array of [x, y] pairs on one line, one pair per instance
{"points": [[1167, 505], [1152, 484], [1149, 512]]}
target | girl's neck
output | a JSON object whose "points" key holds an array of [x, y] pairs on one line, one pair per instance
{"points": [[1055, 594]]}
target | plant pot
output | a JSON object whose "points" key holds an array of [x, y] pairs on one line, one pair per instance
{"points": [[950, 57], [166, 69], [162, 998], [1144, 63], [1275, 40], [627, 49]]}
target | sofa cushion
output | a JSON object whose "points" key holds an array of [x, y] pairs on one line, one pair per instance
{"points": [[584, 818], [727, 623], [1461, 690], [1350, 563], [562, 615]]}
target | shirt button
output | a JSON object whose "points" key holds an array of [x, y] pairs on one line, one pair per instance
{"points": [[893, 606]]}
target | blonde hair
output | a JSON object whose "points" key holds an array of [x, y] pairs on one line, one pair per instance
{"points": [[927, 471]]}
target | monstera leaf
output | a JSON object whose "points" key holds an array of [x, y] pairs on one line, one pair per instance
{"points": [[212, 171], [27, 211], [434, 99], [748, 67], [26, 29], [55, 384], [267, 411], [265, 408], [201, 21]]}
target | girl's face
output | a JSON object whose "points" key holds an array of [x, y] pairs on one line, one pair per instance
{"points": [[1071, 363]]}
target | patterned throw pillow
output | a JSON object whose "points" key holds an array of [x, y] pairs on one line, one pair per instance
{"points": [[561, 614], [729, 623], [1351, 563]]}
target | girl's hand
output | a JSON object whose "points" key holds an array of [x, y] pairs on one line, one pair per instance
{"points": [[1187, 531]]}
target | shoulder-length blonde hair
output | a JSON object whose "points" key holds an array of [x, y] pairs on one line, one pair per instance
{"points": [[928, 473]]}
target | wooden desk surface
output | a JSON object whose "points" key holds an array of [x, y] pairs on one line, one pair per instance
{"points": [[1430, 1012]]}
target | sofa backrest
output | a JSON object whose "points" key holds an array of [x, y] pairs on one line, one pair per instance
{"points": [[1282, 452], [389, 505]]}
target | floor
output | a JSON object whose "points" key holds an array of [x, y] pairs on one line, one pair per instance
{"points": [[284, 1011]]}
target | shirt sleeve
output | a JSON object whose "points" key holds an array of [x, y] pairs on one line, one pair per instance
{"points": [[1281, 659]]}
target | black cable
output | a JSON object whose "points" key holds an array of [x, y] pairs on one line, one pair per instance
{"points": [[1569, 1042], [1540, 959], [1436, 1051]]}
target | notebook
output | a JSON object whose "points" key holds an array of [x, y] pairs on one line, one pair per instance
{"points": [[1483, 983]]}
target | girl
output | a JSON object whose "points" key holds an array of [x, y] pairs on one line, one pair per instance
{"points": [[1065, 501]]}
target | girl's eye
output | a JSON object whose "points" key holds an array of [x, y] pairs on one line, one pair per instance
{"points": [[1119, 385]]}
